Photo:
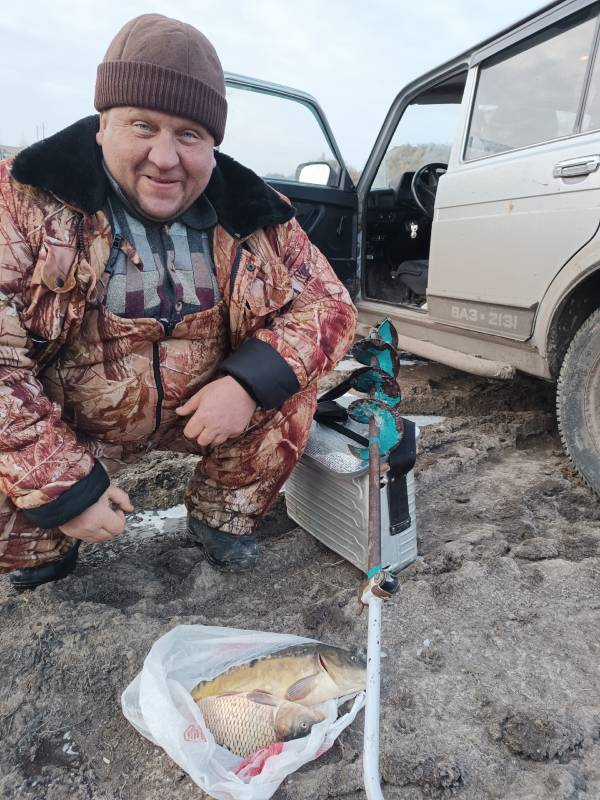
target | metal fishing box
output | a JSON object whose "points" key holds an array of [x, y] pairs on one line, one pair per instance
{"points": [[327, 494]]}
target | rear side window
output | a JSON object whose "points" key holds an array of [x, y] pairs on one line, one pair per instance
{"points": [[591, 115], [532, 92]]}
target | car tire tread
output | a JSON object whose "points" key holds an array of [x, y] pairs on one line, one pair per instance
{"points": [[569, 407]]}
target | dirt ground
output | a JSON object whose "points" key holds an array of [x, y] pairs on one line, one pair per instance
{"points": [[491, 680]]}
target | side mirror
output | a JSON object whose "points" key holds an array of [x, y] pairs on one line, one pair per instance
{"points": [[317, 172]]}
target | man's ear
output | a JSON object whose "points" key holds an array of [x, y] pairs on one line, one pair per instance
{"points": [[103, 121]]}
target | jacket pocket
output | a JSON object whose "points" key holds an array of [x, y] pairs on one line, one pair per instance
{"points": [[52, 285], [268, 287], [56, 265], [261, 289]]}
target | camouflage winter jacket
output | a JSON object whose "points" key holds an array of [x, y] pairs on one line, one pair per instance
{"points": [[286, 317]]}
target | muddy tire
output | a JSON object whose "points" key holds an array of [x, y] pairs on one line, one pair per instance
{"points": [[578, 401]]}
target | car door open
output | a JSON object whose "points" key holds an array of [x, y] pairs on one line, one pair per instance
{"points": [[282, 134]]}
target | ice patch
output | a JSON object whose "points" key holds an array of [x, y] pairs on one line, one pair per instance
{"points": [[348, 365], [156, 516], [422, 420], [175, 512], [163, 520]]}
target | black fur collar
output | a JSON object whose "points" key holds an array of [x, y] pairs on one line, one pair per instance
{"points": [[69, 165]]}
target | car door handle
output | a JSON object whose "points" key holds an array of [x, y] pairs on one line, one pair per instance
{"points": [[575, 167]]}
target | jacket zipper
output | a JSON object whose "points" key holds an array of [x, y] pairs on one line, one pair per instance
{"points": [[168, 323], [234, 269], [81, 239], [160, 392], [114, 253]]}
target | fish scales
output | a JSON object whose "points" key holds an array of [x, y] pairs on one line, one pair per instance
{"points": [[243, 723], [238, 724]]}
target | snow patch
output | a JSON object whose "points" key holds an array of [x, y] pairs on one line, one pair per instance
{"points": [[422, 420], [156, 516]]}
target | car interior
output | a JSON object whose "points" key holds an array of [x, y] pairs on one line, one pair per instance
{"points": [[399, 217]]}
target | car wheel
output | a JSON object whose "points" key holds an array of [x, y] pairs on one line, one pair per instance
{"points": [[578, 401]]}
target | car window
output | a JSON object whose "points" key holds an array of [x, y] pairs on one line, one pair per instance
{"points": [[424, 135], [274, 135], [591, 115], [531, 93]]}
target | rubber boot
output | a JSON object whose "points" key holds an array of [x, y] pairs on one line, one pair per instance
{"points": [[226, 551], [32, 577]]}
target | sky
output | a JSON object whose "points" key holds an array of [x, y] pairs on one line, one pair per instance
{"points": [[353, 56]]}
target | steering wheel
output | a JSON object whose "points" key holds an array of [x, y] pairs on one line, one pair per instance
{"points": [[424, 186]]}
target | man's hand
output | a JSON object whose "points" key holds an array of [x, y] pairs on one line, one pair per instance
{"points": [[219, 411], [102, 521]]}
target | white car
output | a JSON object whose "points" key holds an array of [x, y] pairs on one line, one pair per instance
{"points": [[475, 223]]}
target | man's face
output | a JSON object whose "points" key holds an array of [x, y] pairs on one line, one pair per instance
{"points": [[163, 163]]}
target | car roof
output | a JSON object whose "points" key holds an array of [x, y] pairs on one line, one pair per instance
{"points": [[565, 7], [522, 28]]}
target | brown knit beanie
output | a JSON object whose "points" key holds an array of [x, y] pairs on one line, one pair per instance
{"points": [[161, 63]]}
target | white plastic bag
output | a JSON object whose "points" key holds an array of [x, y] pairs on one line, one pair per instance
{"points": [[159, 705]]}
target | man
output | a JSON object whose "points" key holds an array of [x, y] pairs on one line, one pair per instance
{"points": [[153, 293]]}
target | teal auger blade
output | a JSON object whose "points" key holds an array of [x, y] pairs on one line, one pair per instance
{"points": [[391, 425], [378, 384], [385, 356], [387, 332]]}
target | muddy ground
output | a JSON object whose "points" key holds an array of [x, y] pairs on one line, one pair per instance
{"points": [[491, 685]]}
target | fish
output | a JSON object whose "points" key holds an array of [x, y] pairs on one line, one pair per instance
{"points": [[309, 674], [243, 722]]}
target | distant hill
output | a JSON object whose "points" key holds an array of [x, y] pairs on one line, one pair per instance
{"points": [[409, 158]]}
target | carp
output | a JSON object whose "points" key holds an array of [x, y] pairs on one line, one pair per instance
{"points": [[308, 674], [244, 722]]}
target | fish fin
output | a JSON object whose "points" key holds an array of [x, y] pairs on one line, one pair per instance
{"points": [[265, 698], [302, 688]]}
